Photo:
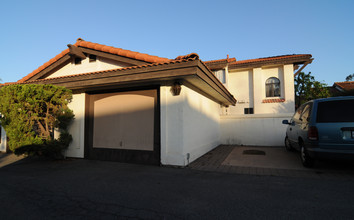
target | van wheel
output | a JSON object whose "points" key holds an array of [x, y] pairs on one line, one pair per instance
{"points": [[306, 160], [288, 146]]}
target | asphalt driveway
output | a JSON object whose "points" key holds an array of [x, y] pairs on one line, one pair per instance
{"points": [[86, 189], [251, 160]]}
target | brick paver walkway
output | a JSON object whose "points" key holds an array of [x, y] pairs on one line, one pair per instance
{"points": [[212, 161]]}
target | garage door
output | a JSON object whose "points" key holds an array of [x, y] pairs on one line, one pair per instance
{"points": [[124, 126]]}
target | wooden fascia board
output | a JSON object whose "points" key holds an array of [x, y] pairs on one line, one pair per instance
{"points": [[158, 73], [209, 78], [212, 77], [189, 72], [114, 57], [53, 66], [217, 65]]}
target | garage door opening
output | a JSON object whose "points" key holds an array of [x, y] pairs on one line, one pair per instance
{"points": [[124, 126]]}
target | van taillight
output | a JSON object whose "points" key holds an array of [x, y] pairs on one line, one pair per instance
{"points": [[312, 133]]}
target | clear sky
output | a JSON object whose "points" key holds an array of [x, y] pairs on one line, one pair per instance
{"points": [[32, 32]]}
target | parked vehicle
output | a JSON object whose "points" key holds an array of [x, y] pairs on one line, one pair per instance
{"points": [[322, 128]]}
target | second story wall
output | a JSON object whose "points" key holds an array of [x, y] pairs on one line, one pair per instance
{"points": [[266, 90]]}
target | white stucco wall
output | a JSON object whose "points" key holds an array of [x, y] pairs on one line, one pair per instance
{"points": [[264, 127], [189, 126], [248, 87], [77, 128], [3, 140], [241, 86], [86, 67], [253, 130]]}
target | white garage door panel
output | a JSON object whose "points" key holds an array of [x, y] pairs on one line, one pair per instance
{"points": [[124, 120]]}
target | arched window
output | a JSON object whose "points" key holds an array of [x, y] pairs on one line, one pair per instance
{"points": [[272, 87]]}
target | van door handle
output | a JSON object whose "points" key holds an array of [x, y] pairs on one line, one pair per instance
{"points": [[290, 129]]}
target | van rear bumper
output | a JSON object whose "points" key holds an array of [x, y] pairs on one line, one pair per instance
{"points": [[331, 154]]}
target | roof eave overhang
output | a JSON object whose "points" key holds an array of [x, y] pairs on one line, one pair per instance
{"points": [[269, 63], [193, 74], [216, 65]]}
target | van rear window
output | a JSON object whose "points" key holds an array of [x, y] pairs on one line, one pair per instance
{"points": [[335, 111]]}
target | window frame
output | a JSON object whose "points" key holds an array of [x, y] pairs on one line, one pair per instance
{"points": [[221, 75], [270, 88]]}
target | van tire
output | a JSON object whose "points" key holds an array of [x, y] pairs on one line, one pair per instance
{"points": [[287, 144], [306, 160]]}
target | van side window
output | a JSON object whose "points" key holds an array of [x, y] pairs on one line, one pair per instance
{"points": [[305, 115], [298, 113]]}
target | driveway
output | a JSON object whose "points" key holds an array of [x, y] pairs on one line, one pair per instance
{"points": [[87, 189], [7, 159], [274, 161]]}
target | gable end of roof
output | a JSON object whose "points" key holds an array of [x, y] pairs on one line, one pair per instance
{"points": [[98, 47]]}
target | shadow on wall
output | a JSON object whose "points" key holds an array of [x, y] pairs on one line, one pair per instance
{"points": [[190, 126], [132, 130]]}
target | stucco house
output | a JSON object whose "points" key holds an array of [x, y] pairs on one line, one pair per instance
{"points": [[134, 107], [264, 89]]}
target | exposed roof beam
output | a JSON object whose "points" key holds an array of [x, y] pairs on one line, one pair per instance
{"points": [[303, 66], [75, 51], [114, 57]]}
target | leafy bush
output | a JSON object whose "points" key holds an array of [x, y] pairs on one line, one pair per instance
{"points": [[31, 113]]}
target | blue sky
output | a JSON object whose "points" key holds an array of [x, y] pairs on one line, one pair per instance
{"points": [[32, 32]]}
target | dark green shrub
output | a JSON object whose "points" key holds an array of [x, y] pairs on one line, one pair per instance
{"points": [[31, 113]]}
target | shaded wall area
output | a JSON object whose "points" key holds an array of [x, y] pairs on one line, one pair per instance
{"points": [[189, 126]]}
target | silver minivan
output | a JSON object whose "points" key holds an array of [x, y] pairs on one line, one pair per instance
{"points": [[322, 128]]}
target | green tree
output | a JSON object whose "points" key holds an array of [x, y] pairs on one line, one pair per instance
{"points": [[307, 88], [30, 113], [349, 77]]}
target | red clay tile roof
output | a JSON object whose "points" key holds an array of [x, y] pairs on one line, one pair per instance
{"points": [[45, 65], [345, 85], [191, 55], [232, 63], [228, 60], [276, 100], [121, 52], [275, 58], [219, 64], [100, 47]]}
